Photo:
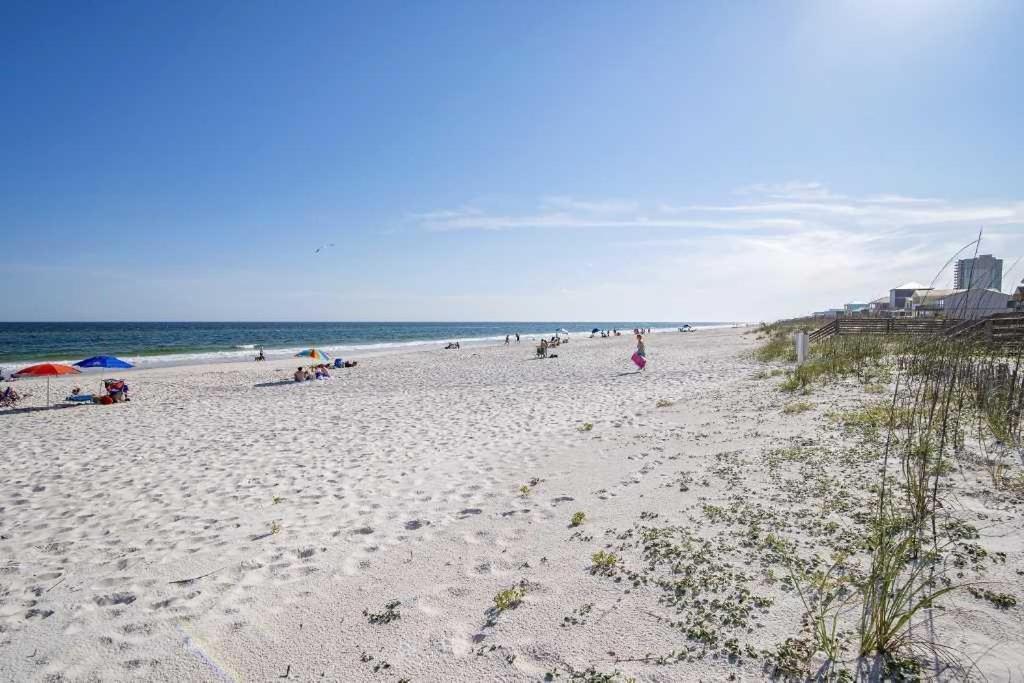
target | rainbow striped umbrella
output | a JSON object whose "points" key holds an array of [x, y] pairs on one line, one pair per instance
{"points": [[313, 354]]}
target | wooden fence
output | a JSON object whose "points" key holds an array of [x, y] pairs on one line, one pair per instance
{"points": [[882, 326], [1002, 328]]}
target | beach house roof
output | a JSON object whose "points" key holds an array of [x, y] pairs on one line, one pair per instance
{"points": [[925, 296], [912, 285]]}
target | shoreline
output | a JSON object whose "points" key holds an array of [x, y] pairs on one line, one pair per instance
{"points": [[368, 350]]}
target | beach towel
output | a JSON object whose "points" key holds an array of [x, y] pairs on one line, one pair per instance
{"points": [[639, 360]]}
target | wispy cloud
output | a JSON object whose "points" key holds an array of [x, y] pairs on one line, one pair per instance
{"points": [[785, 207], [779, 248]]}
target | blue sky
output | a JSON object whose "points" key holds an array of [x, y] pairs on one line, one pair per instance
{"points": [[498, 160]]}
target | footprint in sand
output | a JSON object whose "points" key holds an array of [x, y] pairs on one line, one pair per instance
{"points": [[115, 599]]}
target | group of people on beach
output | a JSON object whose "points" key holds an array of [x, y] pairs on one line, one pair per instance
{"points": [[508, 339], [303, 374]]}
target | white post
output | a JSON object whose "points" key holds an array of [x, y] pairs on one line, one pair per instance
{"points": [[801, 347]]}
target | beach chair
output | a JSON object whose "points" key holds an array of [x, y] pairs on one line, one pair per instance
{"points": [[116, 389]]}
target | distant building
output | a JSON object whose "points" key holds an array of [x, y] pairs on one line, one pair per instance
{"points": [[855, 307], [1017, 301], [879, 306], [958, 304], [983, 272], [898, 296]]}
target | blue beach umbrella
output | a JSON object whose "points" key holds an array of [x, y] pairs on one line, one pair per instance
{"points": [[103, 362]]}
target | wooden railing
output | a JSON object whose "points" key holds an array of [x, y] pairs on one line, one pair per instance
{"points": [[824, 332], [1002, 328], [882, 326]]}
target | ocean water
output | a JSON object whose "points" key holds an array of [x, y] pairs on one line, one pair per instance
{"points": [[158, 343]]}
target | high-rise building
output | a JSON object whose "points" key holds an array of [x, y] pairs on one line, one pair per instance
{"points": [[984, 272]]}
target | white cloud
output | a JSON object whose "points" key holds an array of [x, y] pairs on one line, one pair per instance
{"points": [[781, 249]]}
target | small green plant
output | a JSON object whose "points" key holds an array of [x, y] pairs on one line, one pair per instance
{"points": [[275, 527], [1000, 600], [664, 403], [390, 613], [510, 598], [603, 562], [524, 490], [586, 426], [894, 591], [277, 499], [797, 408], [873, 419], [824, 595], [577, 518]]}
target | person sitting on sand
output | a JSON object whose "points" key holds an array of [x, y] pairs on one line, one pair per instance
{"points": [[300, 375]]}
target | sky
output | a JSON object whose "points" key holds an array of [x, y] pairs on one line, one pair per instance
{"points": [[500, 160]]}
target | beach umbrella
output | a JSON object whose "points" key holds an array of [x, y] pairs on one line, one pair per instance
{"points": [[46, 370], [313, 354], [103, 362], [594, 331], [563, 331]]}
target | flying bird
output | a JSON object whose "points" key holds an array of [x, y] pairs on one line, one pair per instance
{"points": [[318, 249]]}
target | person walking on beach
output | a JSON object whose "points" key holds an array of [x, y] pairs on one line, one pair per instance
{"points": [[506, 340], [640, 356], [517, 337]]}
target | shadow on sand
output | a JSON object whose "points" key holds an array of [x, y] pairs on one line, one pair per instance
{"points": [[37, 409], [276, 383]]}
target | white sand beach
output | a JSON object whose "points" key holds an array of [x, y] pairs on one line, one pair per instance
{"points": [[230, 524]]}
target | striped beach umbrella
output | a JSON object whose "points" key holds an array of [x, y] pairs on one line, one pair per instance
{"points": [[313, 354]]}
